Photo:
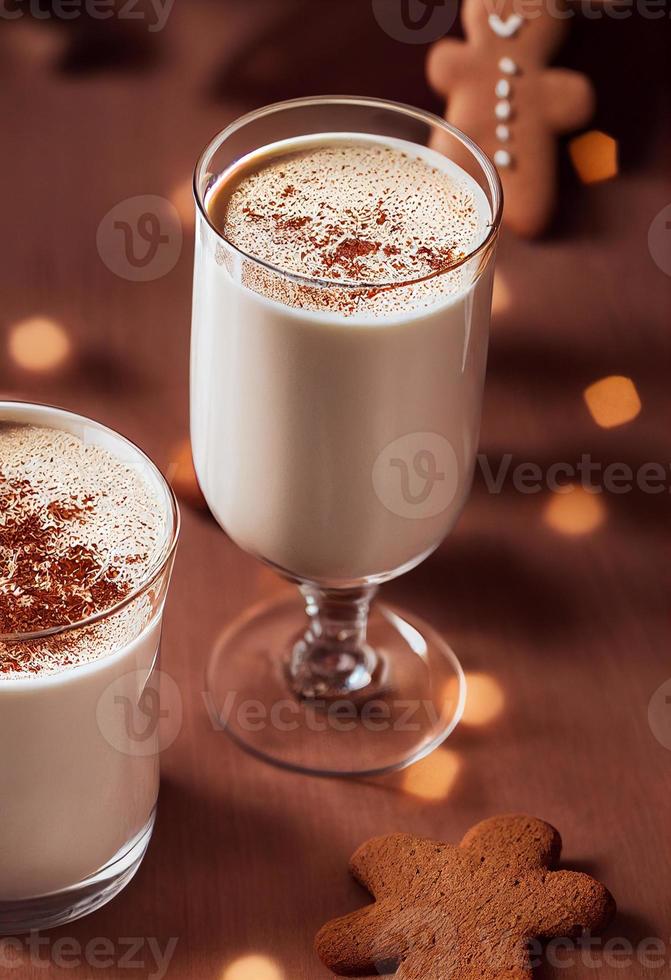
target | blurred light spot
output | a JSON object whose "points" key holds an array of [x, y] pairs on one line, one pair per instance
{"points": [[502, 298], [613, 401], [38, 344], [182, 477], [575, 512], [594, 156], [253, 968], [182, 200], [37, 44], [485, 699], [432, 779]]}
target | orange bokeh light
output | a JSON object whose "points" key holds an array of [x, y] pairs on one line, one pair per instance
{"points": [[594, 156], [502, 298], [574, 512], [253, 967], [38, 344], [36, 43], [485, 700], [613, 401], [181, 475], [182, 199], [432, 778]]}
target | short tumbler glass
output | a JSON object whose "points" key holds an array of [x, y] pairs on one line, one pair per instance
{"points": [[79, 749]]}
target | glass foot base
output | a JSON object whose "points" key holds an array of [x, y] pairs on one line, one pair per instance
{"points": [[414, 700], [59, 908]]}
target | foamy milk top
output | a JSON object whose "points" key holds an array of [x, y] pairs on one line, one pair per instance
{"points": [[79, 531], [369, 216]]}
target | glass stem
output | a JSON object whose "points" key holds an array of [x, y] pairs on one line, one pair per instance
{"points": [[333, 659]]}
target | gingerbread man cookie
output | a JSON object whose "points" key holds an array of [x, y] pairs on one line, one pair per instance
{"points": [[462, 912], [501, 92]]}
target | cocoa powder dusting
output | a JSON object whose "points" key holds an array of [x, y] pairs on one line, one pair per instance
{"points": [[45, 581], [357, 214], [79, 529]]}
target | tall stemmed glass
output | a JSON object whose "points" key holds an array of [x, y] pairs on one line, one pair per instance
{"points": [[335, 438]]}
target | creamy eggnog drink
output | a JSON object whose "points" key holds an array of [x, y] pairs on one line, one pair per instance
{"points": [[298, 390], [87, 533], [342, 296]]}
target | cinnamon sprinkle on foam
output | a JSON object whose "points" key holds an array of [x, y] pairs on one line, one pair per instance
{"points": [[358, 214], [78, 530]]}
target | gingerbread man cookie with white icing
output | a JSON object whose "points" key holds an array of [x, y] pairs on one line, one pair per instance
{"points": [[500, 91]]}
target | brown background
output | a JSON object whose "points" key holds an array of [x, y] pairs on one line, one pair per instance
{"points": [[574, 631]]}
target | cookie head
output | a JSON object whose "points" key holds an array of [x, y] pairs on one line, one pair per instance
{"points": [[532, 35]]}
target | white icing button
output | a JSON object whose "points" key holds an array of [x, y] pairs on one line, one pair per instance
{"points": [[504, 110], [502, 133], [508, 66], [503, 88], [502, 158]]}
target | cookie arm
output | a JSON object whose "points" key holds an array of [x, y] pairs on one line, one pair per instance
{"points": [[387, 865], [363, 943], [571, 901], [569, 99], [445, 65]]}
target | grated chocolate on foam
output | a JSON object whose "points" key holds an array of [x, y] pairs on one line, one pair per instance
{"points": [[356, 214], [79, 530]]}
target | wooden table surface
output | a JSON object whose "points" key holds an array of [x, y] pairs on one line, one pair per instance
{"points": [[565, 636]]}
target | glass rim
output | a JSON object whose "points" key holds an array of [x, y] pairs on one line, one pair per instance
{"points": [[157, 567], [430, 118]]}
